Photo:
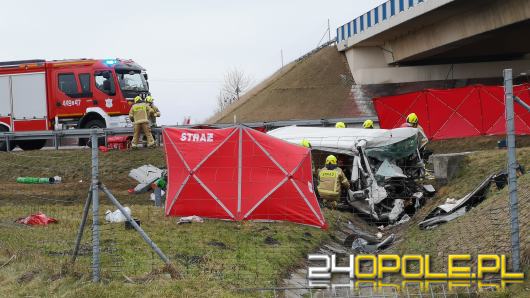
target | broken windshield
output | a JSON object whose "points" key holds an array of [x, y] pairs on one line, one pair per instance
{"points": [[132, 81]]}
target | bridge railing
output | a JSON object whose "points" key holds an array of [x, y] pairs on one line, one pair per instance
{"points": [[380, 14]]}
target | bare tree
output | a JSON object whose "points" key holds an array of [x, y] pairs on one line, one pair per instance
{"points": [[235, 84]]}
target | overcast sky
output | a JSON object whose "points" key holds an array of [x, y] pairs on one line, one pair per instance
{"points": [[186, 46]]}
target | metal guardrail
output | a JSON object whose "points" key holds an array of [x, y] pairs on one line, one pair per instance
{"points": [[380, 14], [57, 135]]}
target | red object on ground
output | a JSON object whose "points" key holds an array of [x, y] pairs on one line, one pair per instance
{"points": [[455, 113], [37, 219], [103, 149], [239, 174], [118, 142]]}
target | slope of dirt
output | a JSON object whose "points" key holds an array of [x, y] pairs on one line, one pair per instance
{"points": [[319, 86]]}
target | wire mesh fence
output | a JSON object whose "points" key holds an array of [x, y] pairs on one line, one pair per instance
{"points": [[524, 223], [248, 258]]}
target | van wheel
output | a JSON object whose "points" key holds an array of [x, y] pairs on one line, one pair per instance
{"points": [[28, 145], [3, 143], [96, 123]]}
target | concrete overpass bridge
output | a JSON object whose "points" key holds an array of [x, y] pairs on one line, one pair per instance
{"points": [[404, 41]]}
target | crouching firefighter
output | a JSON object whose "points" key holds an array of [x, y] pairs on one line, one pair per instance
{"points": [[139, 114], [332, 181]]}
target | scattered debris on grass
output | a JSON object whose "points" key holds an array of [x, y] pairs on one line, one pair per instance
{"points": [[190, 219], [361, 245], [38, 218], [453, 208], [145, 175], [116, 216]]}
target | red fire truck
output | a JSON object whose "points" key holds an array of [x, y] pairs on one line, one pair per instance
{"points": [[66, 94]]}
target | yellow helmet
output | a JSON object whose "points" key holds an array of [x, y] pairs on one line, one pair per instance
{"points": [[412, 118], [368, 124], [149, 99], [305, 143], [137, 99], [331, 160], [340, 125]]}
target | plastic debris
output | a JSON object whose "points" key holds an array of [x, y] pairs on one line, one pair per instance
{"points": [[145, 175], [435, 221], [36, 219], [190, 219], [405, 218], [361, 245], [399, 207], [452, 208], [429, 189], [117, 216]]}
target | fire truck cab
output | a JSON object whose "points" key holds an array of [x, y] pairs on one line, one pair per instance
{"points": [[67, 94]]}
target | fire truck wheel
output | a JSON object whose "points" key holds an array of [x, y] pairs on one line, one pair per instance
{"points": [[31, 144], [96, 123]]}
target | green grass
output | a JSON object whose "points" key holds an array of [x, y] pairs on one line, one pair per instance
{"points": [[484, 229], [215, 258]]}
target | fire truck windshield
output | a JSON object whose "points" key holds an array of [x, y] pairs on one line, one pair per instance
{"points": [[132, 81]]}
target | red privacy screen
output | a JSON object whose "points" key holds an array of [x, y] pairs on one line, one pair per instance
{"points": [[455, 113], [239, 174]]}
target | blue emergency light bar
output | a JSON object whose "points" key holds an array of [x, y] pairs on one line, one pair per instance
{"points": [[110, 62]]}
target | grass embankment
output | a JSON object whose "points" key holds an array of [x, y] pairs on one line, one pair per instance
{"points": [[481, 143], [215, 257], [484, 229]]}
